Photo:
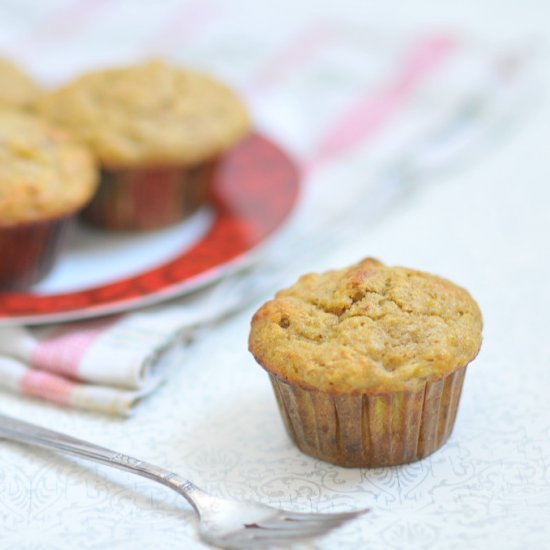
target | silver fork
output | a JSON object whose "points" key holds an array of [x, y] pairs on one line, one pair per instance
{"points": [[222, 522]]}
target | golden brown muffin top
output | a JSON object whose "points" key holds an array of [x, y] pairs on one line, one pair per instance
{"points": [[152, 113], [368, 328], [17, 89], [43, 172]]}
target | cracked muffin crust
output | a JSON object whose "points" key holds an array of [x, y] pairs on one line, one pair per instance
{"points": [[367, 328]]}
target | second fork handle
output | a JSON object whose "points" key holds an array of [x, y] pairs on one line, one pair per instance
{"points": [[32, 434]]}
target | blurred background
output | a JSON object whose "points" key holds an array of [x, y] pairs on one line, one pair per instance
{"points": [[430, 118]]}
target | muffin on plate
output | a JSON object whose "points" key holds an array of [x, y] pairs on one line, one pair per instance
{"points": [[18, 90], [367, 362], [157, 130], [45, 178]]}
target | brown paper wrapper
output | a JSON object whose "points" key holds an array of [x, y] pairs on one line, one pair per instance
{"points": [[148, 197], [29, 251], [362, 430]]}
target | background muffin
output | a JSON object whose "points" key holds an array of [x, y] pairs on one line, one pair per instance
{"points": [[18, 90], [45, 177], [367, 362], [156, 130]]}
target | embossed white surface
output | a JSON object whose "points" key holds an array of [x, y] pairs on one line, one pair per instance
{"points": [[216, 421]]}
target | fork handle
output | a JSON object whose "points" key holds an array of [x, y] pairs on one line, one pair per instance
{"points": [[31, 434]]}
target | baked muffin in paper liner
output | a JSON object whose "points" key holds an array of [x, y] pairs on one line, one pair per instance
{"points": [[157, 130], [368, 362], [45, 179]]}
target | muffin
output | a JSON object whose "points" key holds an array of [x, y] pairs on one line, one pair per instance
{"points": [[157, 131], [18, 90], [367, 362], [45, 177]]}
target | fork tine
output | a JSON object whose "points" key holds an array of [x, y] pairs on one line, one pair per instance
{"points": [[296, 526], [305, 516], [290, 524], [259, 535], [279, 529]]}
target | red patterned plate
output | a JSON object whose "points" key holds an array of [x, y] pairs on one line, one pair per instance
{"points": [[255, 189]]}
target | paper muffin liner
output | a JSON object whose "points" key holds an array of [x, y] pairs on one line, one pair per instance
{"points": [[30, 250], [148, 197], [362, 430]]}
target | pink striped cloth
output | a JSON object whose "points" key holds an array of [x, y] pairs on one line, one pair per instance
{"points": [[105, 365], [108, 365]]}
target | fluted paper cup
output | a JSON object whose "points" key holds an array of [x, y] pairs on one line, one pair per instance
{"points": [[370, 430], [148, 197], [30, 250]]}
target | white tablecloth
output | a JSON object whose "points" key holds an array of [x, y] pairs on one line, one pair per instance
{"points": [[216, 422]]}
